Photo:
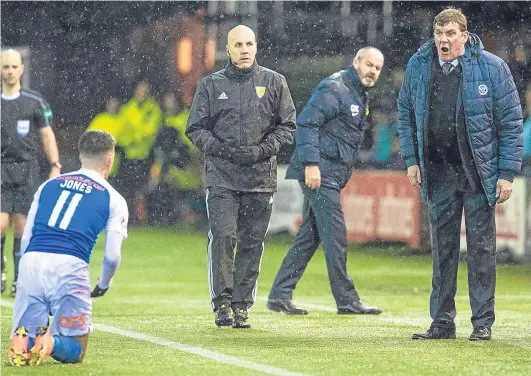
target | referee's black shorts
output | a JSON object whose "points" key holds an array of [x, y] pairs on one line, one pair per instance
{"points": [[19, 183]]}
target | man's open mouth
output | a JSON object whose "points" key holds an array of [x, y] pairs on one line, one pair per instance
{"points": [[445, 49]]}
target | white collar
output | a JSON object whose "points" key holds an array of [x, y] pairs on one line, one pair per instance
{"points": [[10, 97], [454, 62]]}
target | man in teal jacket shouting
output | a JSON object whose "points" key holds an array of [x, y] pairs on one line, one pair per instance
{"points": [[460, 127]]}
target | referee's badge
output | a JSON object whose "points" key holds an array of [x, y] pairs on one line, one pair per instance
{"points": [[23, 127]]}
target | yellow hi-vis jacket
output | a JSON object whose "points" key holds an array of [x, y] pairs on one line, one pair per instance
{"points": [[141, 123], [178, 122], [110, 123]]}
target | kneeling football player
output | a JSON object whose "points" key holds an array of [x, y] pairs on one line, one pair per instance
{"points": [[67, 214]]}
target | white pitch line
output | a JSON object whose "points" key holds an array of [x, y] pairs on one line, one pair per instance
{"points": [[218, 357]]}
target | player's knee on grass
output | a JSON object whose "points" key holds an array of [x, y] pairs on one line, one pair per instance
{"points": [[69, 349]]}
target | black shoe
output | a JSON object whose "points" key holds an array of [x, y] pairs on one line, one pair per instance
{"points": [[4, 282], [285, 306], [14, 288], [480, 333], [224, 315], [435, 332], [240, 319], [359, 308]]}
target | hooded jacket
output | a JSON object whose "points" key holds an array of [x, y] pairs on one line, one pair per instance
{"points": [[492, 111], [242, 107]]}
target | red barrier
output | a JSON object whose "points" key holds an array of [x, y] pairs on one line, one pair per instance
{"points": [[381, 205]]}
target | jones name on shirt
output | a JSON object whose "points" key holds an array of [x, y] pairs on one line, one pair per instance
{"points": [[78, 183]]}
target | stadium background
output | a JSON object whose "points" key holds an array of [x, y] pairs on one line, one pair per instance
{"points": [[82, 52]]}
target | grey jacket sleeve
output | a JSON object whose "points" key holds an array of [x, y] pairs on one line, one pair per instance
{"points": [[284, 122], [199, 126]]}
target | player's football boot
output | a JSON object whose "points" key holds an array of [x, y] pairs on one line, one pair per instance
{"points": [[224, 315], [240, 319], [43, 346], [18, 351]]}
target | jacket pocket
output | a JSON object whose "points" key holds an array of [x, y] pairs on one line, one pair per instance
{"points": [[328, 148]]}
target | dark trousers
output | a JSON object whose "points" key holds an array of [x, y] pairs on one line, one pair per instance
{"points": [[234, 218], [323, 220], [448, 194], [131, 181]]}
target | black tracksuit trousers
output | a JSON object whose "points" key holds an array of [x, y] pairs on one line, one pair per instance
{"points": [[236, 218]]}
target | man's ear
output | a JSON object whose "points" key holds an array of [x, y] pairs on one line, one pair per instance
{"points": [[109, 160], [465, 34]]}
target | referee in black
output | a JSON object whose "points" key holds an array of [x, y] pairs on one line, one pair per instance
{"points": [[26, 117]]}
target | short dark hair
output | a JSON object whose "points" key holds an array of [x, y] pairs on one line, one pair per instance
{"points": [[94, 143], [451, 15]]}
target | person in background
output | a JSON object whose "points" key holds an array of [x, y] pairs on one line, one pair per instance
{"points": [[386, 150], [26, 119], [240, 118], [175, 176], [141, 118], [109, 121], [460, 127], [329, 134], [520, 67]]}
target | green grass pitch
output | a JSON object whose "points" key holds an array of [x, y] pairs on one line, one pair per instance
{"points": [[159, 310]]}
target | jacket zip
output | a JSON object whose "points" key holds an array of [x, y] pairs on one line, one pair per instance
{"points": [[240, 84], [425, 132]]}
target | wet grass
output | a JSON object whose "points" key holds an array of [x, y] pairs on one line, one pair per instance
{"points": [[161, 290]]}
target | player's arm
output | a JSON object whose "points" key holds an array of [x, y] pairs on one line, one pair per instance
{"points": [[111, 262], [30, 220], [28, 228], [49, 145], [116, 232]]}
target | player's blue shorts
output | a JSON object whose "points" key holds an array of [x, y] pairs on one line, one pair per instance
{"points": [[53, 285]]}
